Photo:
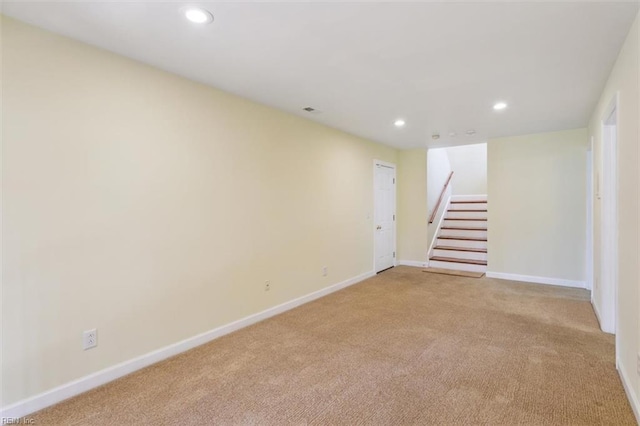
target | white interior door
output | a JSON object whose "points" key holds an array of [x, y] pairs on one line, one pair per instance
{"points": [[384, 215]]}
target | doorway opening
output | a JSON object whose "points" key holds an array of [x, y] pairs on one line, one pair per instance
{"points": [[457, 207]]}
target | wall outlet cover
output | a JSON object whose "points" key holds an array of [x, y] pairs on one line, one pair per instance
{"points": [[90, 339]]}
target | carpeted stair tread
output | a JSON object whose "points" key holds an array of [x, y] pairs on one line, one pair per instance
{"points": [[474, 250], [456, 260]]}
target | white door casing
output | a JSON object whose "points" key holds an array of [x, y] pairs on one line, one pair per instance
{"points": [[384, 215], [609, 223], [589, 230]]}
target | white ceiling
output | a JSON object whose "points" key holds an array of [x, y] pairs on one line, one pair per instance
{"points": [[440, 66]]}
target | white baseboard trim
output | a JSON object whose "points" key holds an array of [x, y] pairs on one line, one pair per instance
{"points": [[416, 263], [633, 398], [537, 280], [595, 311], [604, 328], [83, 384]]}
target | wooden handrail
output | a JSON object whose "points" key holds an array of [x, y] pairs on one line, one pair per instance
{"points": [[444, 189]]}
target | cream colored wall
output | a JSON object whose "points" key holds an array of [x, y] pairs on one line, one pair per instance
{"points": [[536, 210], [412, 205], [623, 80], [154, 208], [469, 165]]}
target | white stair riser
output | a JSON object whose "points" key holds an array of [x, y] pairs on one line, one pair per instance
{"points": [[466, 215], [462, 233], [457, 266], [467, 206], [470, 255], [468, 198], [465, 223], [462, 243]]}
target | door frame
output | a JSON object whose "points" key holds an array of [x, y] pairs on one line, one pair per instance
{"points": [[609, 231], [395, 209], [589, 261]]}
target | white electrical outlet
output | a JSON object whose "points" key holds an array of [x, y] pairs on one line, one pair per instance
{"points": [[90, 339], [325, 271], [267, 285]]}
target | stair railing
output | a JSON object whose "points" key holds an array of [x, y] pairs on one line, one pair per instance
{"points": [[444, 189]]}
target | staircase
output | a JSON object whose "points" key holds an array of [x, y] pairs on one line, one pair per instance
{"points": [[461, 242]]}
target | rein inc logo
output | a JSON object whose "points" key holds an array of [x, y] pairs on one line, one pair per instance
{"points": [[17, 421]]}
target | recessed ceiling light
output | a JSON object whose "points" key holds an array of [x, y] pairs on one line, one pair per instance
{"points": [[452, 134], [471, 132], [399, 123], [435, 136], [500, 105], [197, 15]]}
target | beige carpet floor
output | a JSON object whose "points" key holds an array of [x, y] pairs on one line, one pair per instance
{"points": [[403, 347]]}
